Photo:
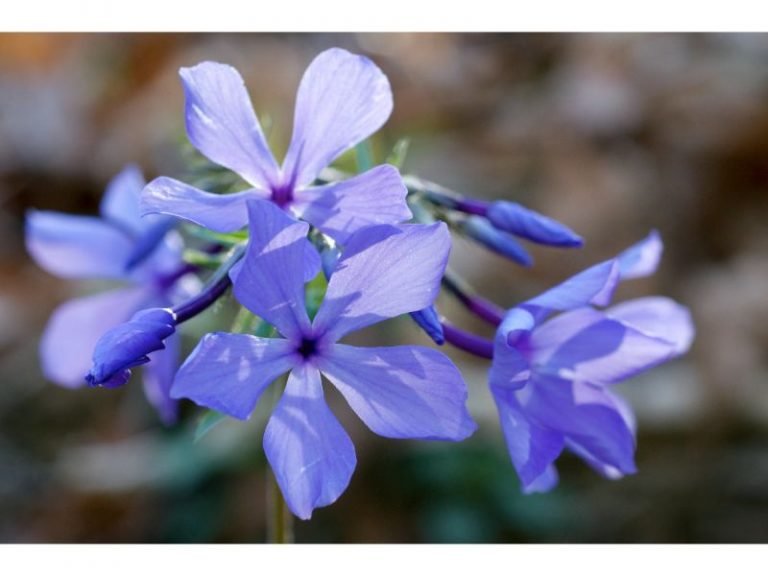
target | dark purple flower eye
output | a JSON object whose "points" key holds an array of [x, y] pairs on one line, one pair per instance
{"points": [[399, 392], [342, 100]]}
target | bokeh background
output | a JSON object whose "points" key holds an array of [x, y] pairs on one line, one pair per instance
{"points": [[611, 134]]}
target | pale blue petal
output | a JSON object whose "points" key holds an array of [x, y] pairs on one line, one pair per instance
{"points": [[77, 246], [544, 483], [222, 125], [532, 447], [401, 391], [218, 212], [658, 317], [385, 271], [516, 325], [642, 259], [310, 454], [342, 208], [228, 372], [270, 280], [343, 98], [67, 344], [586, 344], [120, 203], [594, 285], [587, 416], [158, 377]]}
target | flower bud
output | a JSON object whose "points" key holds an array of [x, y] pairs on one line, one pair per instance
{"points": [[520, 221], [480, 229], [127, 346], [429, 321]]}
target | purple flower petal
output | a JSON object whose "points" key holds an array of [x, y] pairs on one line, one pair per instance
{"points": [[642, 259], [385, 271], [532, 447], [544, 483], [158, 377], [77, 246], [587, 345], [312, 262], [342, 208], [587, 416], [228, 372], [658, 317], [218, 212], [510, 368], [343, 98], [270, 281], [222, 125], [402, 391], [74, 328], [120, 204], [310, 454], [521, 221], [594, 285], [516, 325]]}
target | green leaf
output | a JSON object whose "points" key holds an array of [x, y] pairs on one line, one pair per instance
{"points": [[315, 293], [399, 153], [208, 421], [203, 259], [364, 156], [231, 239]]}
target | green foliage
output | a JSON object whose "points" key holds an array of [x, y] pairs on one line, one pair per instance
{"points": [[399, 153], [208, 421], [364, 156], [315, 293]]}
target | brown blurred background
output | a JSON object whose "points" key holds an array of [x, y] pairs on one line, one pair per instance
{"points": [[611, 134]]}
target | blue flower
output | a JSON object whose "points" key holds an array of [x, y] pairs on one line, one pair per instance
{"points": [[142, 252], [551, 378], [399, 392], [343, 99]]}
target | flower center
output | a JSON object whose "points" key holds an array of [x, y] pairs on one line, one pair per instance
{"points": [[282, 195], [308, 347]]}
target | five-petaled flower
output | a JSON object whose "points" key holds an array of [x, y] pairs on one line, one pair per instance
{"points": [[120, 245], [399, 392], [550, 378], [343, 99]]}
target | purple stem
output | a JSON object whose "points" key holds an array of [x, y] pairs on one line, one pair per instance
{"points": [[200, 302], [458, 202], [211, 292], [467, 341], [469, 206], [479, 306]]}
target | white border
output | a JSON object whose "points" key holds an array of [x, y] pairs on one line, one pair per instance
{"points": [[600, 560], [381, 15]]}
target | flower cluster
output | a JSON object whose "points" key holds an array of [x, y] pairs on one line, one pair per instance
{"points": [[313, 254]]}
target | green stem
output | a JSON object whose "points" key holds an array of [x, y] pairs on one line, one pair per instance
{"points": [[279, 517]]}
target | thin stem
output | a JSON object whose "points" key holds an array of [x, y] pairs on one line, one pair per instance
{"points": [[279, 517], [212, 292], [478, 305], [467, 341]]}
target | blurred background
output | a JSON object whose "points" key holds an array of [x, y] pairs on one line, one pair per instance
{"points": [[611, 134]]}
